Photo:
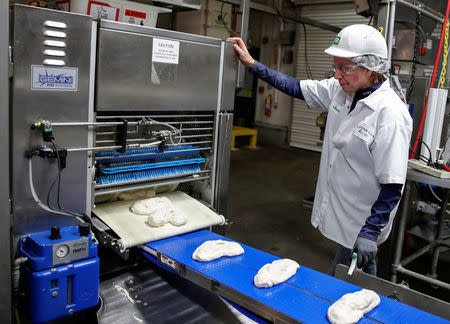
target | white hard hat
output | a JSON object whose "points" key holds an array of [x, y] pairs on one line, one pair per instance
{"points": [[356, 40]]}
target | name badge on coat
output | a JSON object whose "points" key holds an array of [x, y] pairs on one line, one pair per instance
{"points": [[364, 132]]}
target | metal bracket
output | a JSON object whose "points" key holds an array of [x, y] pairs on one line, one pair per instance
{"points": [[110, 241], [214, 286], [10, 63], [427, 208], [172, 264]]}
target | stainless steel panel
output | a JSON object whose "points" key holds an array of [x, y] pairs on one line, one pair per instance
{"points": [[164, 33], [230, 63], [56, 106], [223, 162], [129, 78], [5, 219]]}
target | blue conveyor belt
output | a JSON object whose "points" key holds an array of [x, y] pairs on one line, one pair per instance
{"points": [[305, 297], [233, 273], [388, 311]]}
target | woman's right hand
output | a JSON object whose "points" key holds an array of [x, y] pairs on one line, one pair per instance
{"points": [[241, 50]]}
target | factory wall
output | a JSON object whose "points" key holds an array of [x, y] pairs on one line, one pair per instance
{"points": [[273, 108], [303, 130], [214, 19]]}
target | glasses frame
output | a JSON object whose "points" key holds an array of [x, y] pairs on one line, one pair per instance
{"points": [[346, 69]]}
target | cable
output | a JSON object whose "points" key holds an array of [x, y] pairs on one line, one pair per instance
{"points": [[222, 19], [58, 201], [49, 193], [307, 67], [278, 11], [35, 196], [414, 61], [429, 151], [149, 121], [436, 196]]}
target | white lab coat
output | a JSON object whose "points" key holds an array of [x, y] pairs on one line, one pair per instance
{"points": [[361, 150]]}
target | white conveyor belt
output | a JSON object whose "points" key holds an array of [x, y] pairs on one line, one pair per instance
{"points": [[133, 230]]}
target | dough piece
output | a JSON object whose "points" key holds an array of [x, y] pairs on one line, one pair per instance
{"points": [[160, 211], [136, 194], [151, 205], [274, 273], [158, 218], [177, 218], [212, 250], [351, 307]]}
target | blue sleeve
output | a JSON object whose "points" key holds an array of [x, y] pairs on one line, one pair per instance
{"points": [[278, 80], [388, 198]]}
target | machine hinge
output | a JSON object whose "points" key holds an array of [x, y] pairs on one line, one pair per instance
{"points": [[10, 62]]}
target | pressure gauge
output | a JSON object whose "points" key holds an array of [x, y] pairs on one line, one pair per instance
{"points": [[62, 251]]}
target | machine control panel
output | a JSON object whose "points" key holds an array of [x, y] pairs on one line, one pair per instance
{"points": [[61, 275], [58, 246], [70, 251]]}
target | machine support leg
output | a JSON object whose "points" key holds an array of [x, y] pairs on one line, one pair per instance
{"points": [[441, 221], [253, 139], [401, 231]]}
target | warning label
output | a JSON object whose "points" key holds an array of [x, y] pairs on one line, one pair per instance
{"points": [[135, 14], [165, 51]]}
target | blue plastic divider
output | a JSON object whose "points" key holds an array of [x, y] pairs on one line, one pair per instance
{"points": [[169, 152], [150, 166], [147, 174]]}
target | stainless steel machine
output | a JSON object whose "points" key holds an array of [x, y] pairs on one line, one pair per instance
{"points": [[119, 93], [101, 109], [104, 114]]}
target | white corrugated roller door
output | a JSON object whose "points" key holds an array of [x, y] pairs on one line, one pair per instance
{"points": [[304, 132]]}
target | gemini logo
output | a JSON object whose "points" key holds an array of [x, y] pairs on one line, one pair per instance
{"points": [[52, 80]]}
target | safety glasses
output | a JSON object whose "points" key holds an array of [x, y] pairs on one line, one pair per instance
{"points": [[346, 69]]}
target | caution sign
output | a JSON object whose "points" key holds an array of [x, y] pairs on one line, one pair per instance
{"points": [[165, 51]]}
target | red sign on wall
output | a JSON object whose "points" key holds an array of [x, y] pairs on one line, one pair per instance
{"points": [[135, 14]]}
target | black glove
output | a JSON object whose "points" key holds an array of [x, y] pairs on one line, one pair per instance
{"points": [[366, 250]]}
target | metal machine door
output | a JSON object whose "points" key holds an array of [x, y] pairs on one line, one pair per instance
{"points": [[148, 69]]}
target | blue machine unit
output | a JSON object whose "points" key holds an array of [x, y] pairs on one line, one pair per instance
{"points": [[61, 276]]}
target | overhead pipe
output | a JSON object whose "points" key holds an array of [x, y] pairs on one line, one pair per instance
{"points": [[390, 35], [421, 10], [302, 20]]}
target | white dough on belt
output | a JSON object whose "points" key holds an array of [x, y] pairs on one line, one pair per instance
{"points": [[212, 250], [275, 273], [160, 211], [351, 307]]}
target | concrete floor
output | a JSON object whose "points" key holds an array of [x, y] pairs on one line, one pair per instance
{"points": [[267, 187]]}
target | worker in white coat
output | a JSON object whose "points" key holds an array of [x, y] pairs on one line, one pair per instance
{"points": [[365, 149]]}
